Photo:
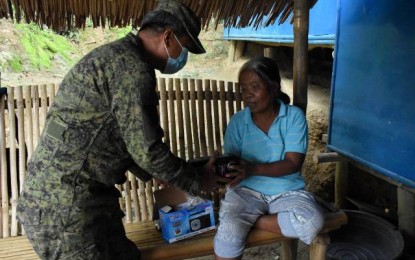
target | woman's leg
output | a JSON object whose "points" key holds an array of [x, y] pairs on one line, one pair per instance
{"points": [[238, 212], [299, 215], [268, 223]]}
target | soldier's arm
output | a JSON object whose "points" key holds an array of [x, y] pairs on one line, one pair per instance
{"points": [[135, 108]]}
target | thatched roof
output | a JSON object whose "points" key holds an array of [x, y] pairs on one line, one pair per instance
{"points": [[65, 14]]}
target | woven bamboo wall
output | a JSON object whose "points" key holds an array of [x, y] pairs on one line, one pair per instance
{"points": [[193, 113]]}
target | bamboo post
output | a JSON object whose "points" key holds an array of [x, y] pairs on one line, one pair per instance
{"points": [[156, 186], [406, 216], [231, 51], [134, 195], [229, 98], [222, 97], [120, 200], [300, 68], [44, 106], [201, 113], [21, 135], [149, 199], [215, 95], [36, 120], [318, 248], [28, 119], [288, 249], [127, 200], [52, 92], [142, 199], [179, 114], [208, 110], [172, 121], [341, 176], [238, 97], [196, 140], [163, 109], [3, 171], [13, 161], [188, 126]]}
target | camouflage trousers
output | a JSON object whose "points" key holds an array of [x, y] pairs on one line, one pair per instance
{"points": [[57, 233]]}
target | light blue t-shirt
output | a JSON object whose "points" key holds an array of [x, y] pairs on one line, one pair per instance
{"points": [[288, 133]]}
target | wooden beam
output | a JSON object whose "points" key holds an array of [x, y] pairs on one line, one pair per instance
{"points": [[300, 67]]}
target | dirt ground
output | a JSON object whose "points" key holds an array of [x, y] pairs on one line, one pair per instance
{"points": [[319, 178]]}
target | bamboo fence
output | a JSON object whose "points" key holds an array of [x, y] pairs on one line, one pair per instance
{"points": [[193, 114]]}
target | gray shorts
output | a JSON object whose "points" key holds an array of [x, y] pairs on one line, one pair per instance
{"points": [[299, 216]]}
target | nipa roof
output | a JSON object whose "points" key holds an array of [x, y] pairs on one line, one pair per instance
{"points": [[62, 15]]}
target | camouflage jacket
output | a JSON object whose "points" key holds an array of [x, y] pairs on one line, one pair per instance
{"points": [[104, 121]]}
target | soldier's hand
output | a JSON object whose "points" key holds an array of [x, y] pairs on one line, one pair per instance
{"points": [[210, 180]]}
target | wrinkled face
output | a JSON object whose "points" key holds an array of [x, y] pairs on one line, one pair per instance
{"points": [[255, 93]]}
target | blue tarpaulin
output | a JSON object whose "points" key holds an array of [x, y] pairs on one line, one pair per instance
{"points": [[372, 116]]}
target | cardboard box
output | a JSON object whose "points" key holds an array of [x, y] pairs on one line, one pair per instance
{"points": [[182, 223]]}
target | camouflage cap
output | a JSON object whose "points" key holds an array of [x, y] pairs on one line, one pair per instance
{"points": [[189, 20]]}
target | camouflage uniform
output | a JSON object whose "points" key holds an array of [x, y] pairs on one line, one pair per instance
{"points": [[103, 121]]}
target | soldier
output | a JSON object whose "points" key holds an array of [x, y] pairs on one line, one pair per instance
{"points": [[103, 122]]}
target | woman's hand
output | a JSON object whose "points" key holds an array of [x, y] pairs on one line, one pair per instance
{"points": [[239, 172]]}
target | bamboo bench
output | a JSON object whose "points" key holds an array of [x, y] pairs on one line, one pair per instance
{"points": [[148, 239]]}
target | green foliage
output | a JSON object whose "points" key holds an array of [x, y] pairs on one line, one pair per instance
{"points": [[16, 64], [42, 46], [118, 33]]}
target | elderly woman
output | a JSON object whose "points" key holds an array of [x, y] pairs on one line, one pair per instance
{"points": [[270, 137]]}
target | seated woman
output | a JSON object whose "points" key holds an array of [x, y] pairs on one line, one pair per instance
{"points": [[270, 137]]}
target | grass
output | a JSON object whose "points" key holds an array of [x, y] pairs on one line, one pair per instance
{"points": [[16, 64], [44, 50], [43, 46]]}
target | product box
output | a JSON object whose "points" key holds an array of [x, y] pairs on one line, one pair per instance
{"points": [[177, 220]]}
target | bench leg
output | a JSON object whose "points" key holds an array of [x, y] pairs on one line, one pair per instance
{"points": [[318, 247], [288, 250]]}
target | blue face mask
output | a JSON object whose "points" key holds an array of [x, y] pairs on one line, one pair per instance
{"points": [[174, 65]]}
